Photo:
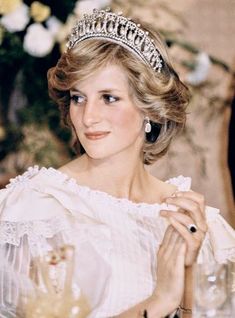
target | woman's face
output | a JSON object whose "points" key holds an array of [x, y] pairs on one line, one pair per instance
{"points": [[103, 114]]}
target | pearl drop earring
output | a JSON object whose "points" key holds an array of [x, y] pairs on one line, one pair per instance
{"points": [[148, 126]]}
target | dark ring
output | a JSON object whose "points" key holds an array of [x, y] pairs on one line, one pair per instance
{"points": [[192, 228]]}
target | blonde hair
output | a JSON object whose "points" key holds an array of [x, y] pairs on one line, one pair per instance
{"points": [[160, 96]]}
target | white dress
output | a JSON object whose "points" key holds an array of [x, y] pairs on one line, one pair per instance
{"points": [[116, 240]]}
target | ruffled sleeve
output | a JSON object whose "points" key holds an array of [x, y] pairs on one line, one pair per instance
{"points": [[219, 243], [32, 223], [29, 227]]}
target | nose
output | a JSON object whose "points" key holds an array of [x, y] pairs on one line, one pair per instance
{"points": [[91, 114]]}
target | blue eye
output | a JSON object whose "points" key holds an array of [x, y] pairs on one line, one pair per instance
{"points": [[77, 99], [109, 99]]}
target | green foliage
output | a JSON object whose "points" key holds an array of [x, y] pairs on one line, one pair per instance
{"points": [[11, 50]]}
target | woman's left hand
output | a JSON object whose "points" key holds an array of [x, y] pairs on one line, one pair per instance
{"points": [[191, 210]]}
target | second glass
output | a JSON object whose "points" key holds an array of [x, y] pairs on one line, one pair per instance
{"points": [[211, 291]]}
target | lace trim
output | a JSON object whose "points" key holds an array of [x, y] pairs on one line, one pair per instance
{"points": [[85, 190], [224, 255], [183, 184], [22, 179], [12, 232]]}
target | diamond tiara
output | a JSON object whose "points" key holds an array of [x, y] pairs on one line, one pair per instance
{"points": [[116, 28]]}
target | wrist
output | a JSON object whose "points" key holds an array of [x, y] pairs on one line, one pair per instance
{"points": [[158, 307], [187, 301], [184, 312]]}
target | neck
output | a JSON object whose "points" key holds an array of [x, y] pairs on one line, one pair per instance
{"points": [[120, 176]]}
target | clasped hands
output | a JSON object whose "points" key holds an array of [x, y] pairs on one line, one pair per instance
{"points": [[191, 210], [179, 248]]}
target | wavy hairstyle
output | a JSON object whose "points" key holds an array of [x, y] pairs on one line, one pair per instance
{"points": [[160, 96]]}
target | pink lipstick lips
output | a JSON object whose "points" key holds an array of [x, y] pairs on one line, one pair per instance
{"points": [[96, 135]]}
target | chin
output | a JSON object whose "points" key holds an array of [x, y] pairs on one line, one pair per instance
{"points": [[101, 153], [97, 154], [106, 151]]}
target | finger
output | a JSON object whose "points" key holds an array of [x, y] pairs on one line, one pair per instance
{"points": [[168, 244], [167, 235], [186, 221], [192, 208], [171, 247], [179, 253], [180, 216], [194, 196], [182, 253], [179, 242], [192, 241], [183, 218], [174, 254]]}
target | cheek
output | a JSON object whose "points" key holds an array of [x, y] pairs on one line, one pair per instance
{"points": [[75, 115], [130, 119], [71, 114]]}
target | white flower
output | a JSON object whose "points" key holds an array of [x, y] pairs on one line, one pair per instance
{"points": [[200, 73], [87, 6], [38, 41], [54, 25], [7, 6], [17, 19]]}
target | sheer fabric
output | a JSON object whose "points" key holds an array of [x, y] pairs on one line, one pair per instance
{"points": [[116, 240]]}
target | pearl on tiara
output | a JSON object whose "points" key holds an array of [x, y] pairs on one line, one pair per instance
{"points": [[116, 28]]}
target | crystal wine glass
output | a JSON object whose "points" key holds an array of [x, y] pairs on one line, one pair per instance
{"points": [[211, 291]]}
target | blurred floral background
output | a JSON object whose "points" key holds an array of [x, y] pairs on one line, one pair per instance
{"points": [[32, 36]]}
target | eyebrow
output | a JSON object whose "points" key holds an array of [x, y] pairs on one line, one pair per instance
{"points": [[107, 90], [73, 89]]}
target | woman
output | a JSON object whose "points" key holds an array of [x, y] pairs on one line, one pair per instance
{"points": [[136, 237]]}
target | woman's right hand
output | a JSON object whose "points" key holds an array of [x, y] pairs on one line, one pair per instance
{"points": [[170, 271]]}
